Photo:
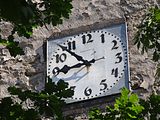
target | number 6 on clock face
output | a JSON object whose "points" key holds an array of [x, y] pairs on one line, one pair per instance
{"points": [[92, 62]]}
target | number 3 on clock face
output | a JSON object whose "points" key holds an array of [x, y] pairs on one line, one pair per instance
{"points": [[92, 62]]}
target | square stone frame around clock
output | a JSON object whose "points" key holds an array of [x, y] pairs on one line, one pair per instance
{"points": [[116, 26]]}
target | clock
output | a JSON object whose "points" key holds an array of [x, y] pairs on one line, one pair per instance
{"points": [[92, 62]]}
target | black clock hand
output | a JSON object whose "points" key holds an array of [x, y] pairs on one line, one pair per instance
{"points": [[78, 57], [66, 68]]}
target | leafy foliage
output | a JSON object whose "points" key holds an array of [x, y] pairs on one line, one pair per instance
{"points": [[47, 103], [152, 107], [12, 46], [25, 15], [148, 35], [127, 107]]}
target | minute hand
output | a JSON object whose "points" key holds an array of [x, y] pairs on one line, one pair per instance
{"points": [[78, 57]]}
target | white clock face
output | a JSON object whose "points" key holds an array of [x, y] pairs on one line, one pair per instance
{"points": [[91, 62]]}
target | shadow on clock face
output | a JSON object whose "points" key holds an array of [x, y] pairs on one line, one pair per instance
{"points": [[74, 77]]}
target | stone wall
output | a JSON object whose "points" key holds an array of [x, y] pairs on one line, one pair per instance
{"points": [[29, 70]]}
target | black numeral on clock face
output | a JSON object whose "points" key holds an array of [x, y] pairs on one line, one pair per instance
{"points": [[119, 57], [55, 71], [87, 91], [61, 58], [72, 45], [114, 45], [103, 84], [102, 38], [115, 72], [87, 38]]}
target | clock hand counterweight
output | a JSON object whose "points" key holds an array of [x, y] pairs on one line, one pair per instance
{"points": [[66, 68], [78, 57]]}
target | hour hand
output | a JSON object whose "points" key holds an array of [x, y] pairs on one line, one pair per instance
{"points": [[78, 57], [66, 68]]}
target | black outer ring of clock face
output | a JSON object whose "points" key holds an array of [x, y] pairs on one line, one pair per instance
{"points": [[125, 59]]}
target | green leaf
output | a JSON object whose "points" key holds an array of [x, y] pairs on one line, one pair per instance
{"points": [[43, 96], [50, 87], [148, 33], [12, 46], [3, 42], [133, 98], [131, 116], [158, 16], [62, 85]]}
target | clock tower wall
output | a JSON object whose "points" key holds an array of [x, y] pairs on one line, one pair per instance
{"points": [[29, 70]]}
